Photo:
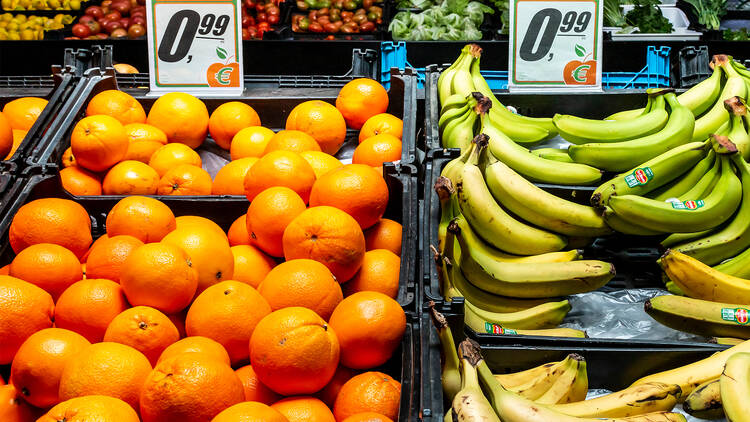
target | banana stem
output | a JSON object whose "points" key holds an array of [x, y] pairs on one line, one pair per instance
{"points": [[735, 106]]}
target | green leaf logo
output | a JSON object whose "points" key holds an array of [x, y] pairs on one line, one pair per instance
{"points": [[580, 51], [221, 53]]}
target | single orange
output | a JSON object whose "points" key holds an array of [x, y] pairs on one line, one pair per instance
{"points": [[380, 272], [12, 406], [39, 363], [48, 266], [320, 120], [24, 310], [159, 275], [6, 136], [377, 150], [379, 124], [98, 142], [231, 178], [209, 252], [146, 219], [79, 181], [142, 151], [237, 233], [117, 104], [269, 214], [18, 137], [228, 119], [321, 162], [142, 132], [99, 240], [329, 393], [250, 142], [91, 408], [183, 117], [198, 223], [302, 282], [145, 329], [251, 265], [23, 112], [329, 236], [51, 220], [172, 155], [280, 168], [189, 387], [108, 256], [361, 99], [293, 351], [249, 411], [304, 409], [385, 234], [370, 326], [291, 140], [130, 177], [68, 159], [254, 389], [88, 306], [368, 392], [356, 189], [197, 344], [125, 68], [185, 179], [368, 417]]}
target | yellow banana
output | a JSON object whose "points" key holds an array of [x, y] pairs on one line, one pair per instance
{"points": [[700, 281], [571, 386], [705, 401], [735, 388], [632, 401]]}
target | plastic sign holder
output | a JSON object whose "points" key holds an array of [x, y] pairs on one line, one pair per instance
{"points": [[195, 46], [555, 45]]}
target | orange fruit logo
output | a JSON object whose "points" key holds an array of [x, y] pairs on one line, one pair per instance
{"points": [[223, 75]]}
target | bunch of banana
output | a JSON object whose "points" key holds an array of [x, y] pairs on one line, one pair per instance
{"points": [[716, 117], [699, 281], [700, 317], [459, 121]]}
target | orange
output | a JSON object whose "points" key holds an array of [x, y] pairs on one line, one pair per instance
{"points": [[107, 257], [385, 234], [142, 151], [190, 387], [302, 282], [51, 220], [368, 417], [125, 68], [377, 150], [91, 408], [304, 409], [379, 273], [251, 265], [370, 326], [194, 222], [18, 137], [23, 112], [39, 363], [144, 329], [227, 312], [48, 266], [209, 253], [293, 351], [368, 392], [88, 306], [159, 275], [329, 236], [320, 120], [68, 159], [268, 216], [109, 369], [228, 119], [183, 117], [172, 155], [146, 219], [12, 406], [117, 104], [185, 180], [98, 142], [291, 140], [250, 142], [196, 344], [361, 99], [249, 411], [130, 177], [379, 124], [280, 168], [254, 389], [237, 233], [99, 240], [141, 132], [321, 162], [230, 178], [329, 393], [6, 136], [79, 181], [356, 189], [24, 310]]}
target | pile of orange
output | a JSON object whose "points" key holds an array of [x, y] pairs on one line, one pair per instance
{"points": [[119, 149], [16, 118]]}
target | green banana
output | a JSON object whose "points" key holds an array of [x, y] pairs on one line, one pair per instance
{"points": [[714, 118], [739, 266], [470, 404], [631, 114], [546, 315], [705, 401], [452, 170], [445, 80], [453, 114], [571, 386], [706, 184], [697, 316], [734, 385], [455, 101], [620, 225], [451, 374], [555, 154], [737, 132], [680, 238], [461, 82], [672, 288], [687, 181], [459, 133], [703, 95], [632, 401]]}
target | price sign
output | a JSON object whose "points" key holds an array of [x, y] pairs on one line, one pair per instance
{"points": [[195, 46], [555, 44]]}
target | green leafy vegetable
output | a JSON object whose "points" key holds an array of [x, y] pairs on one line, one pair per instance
{"points": [[709, 12], [739, 35], [613, 13], [452, 20], [647, 16]]}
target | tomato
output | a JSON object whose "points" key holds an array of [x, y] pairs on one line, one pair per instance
{"points": [[273, 19], [262, 17], [330, 27], [81, 30], [367, 27], [330, 38], [264, 26], [315, 27]]}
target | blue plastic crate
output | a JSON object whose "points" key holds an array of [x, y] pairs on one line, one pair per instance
{"points": [[654, 75]]}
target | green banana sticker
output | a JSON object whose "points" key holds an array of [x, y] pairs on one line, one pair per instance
{"points": [[688, 205], [639, 176], [498, 329], [738, 315]]}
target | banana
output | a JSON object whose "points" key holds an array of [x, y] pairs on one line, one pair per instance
{"points": [[703, 95], [451, 375], [445, 276], [571, 386], [459, 132], [578, 130], [448, 415], [621, 156], [462, 82], [620, 225], [632, 401], [541, 208], [699, 316], [727, 341], [675, 239], [672, 288], [470, 404], [492, 223], [705, 401], [739, 266], [705, 185], [652, 174], [735, 86], [444, 190], [445, 80], [453, 114], [452, 170], [657, 417], [479, 325], [632, 114], [735, 388], [537, 387], [687, 181], [547, 315], [455, 101], [700, 281], [737, 132], [554, 154], [545, 371]]}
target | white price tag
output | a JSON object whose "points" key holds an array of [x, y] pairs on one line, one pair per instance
{"points": [[195, 46], [555, 45]]}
